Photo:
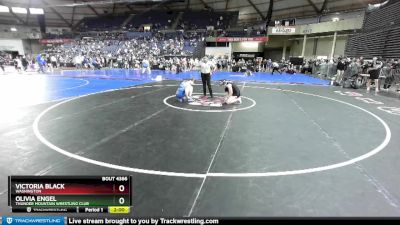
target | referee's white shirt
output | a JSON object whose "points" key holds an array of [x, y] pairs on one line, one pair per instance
{"points": [[205, 67]]}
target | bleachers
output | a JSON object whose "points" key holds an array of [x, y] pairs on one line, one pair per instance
{"points": [[384, 17], [103, 23], [172, 35], [160, 19], [202, 19], [380, 35], [58, 36], [235, 34], [135, 35], [392, 47], [367, 44]]}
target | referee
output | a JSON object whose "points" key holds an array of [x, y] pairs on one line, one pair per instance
{"points": [[206, 68]]}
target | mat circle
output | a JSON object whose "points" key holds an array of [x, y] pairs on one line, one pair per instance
{"points": [[370, 153]]}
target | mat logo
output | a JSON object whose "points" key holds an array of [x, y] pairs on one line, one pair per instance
{"points": [[9, 220], [369, 101], [349, 93], [358, 96], [391, 110], [198, 101]]}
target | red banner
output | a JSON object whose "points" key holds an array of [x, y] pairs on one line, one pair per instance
{"points": [[54, 41], [238, 39]]}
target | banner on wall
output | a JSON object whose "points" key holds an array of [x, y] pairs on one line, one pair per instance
{"points": [[54, 41], [12, 45], [219, 51], [247, 55], [239, 39], [283, 30]]}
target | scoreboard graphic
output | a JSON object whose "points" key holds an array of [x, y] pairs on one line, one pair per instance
{"points": [[70, 194]]}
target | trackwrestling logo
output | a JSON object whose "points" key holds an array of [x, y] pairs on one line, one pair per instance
{"points": [[33, 220]]}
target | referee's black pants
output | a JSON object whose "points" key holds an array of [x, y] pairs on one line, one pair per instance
{"points": [[206, 79], [275, 69]]}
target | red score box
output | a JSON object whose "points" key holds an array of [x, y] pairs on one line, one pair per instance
{"points": [[86, 189]]}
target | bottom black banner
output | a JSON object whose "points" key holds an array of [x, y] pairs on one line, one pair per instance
{"points": [[211, 221]]}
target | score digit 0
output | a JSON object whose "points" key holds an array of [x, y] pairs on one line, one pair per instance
{"points": [[121, 200], [121, 188]]}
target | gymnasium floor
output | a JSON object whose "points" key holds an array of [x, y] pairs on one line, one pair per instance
{"points": [[295, 147]]}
